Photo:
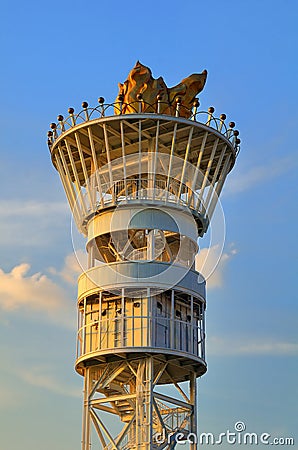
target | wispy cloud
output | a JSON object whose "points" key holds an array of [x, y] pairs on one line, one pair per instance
{"points": [[257, 175], [11, 397], [30, 223], [74, 265], [31, 208], [36, 293], [211, 263], [250, 346], [43, 377]]}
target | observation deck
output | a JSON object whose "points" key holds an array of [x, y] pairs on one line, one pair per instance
{"points": [[142, 156]]}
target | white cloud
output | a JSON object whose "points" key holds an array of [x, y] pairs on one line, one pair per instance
{"points": [[211, 263], [250, 346], [240, 182], [74, 265], [35, 293]]}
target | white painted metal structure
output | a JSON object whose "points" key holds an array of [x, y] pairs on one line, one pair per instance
{"points": [[142, 188]]}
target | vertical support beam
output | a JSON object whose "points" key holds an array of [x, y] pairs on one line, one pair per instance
{"points": [[148, 401], [219, 187], [140, 159], [150, 245], [172, 319], [69, 184], [209, 165], [76, 177], [144, 404], [191, 325], [140, 405], [185, 162], [107, 146], [86, 443], [85, 171], [193, 402], [95, 165], [150, 320], [171, 158], [203, 331], [122, 317], [69, 193], [99, 320], [216, 172], [84, 326], [197, 170], [155, 157], [78, 333], [123, 156], [150, 185], [93, 186], [200, 203]]}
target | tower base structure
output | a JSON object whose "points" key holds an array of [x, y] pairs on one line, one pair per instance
{"points": [[130, 390]]}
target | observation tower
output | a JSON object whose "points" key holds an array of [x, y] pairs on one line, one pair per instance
{"points": [[142, 177]]}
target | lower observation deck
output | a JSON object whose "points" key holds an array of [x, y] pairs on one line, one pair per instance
{"points": [[130, 309]]}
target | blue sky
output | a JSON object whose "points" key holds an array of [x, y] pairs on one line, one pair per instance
{"points": [[58, 55]]}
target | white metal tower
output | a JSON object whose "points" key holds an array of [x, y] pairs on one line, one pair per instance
{"points": [[142, 182]]}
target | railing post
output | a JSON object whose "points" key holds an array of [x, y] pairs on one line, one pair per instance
{"points": [[85, 106], [72, 118], [195, 105], [222, 118], [101, 101], [210, 115], [178, 105]]}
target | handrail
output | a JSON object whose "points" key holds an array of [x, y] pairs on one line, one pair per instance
{"points": [[102, 328], [117, 108], [138, 188]]}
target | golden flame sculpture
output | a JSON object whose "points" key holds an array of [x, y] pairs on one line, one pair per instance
{"points": [[141, 86]]}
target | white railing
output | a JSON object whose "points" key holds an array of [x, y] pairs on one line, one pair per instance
{"points": [[142, 331], [140, 107]]}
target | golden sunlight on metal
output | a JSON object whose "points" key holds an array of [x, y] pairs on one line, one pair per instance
{"points": [[141, 86]]}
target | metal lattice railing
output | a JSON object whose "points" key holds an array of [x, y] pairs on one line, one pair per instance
{"points": [[140, 107]]}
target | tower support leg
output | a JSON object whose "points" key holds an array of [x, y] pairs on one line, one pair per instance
{"points": [[193, 402], [86, 438], [144, 381], [151, 419]]}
